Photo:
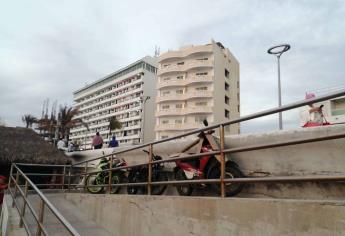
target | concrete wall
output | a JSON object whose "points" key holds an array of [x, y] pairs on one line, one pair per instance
{"points": [[170, 216], [327, 157]]}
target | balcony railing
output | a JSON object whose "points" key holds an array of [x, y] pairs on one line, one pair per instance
{"points": [[186, 66], [183, 126], [188, 95], [184, 111], [184, 82]]}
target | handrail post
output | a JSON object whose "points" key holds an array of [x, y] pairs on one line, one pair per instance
{"points": [[63, 177], [69, 178], [149, 176], [40, 218], [85, 177], [110, 174], [15, 188], [222, 161], [10, 178], [24, 204]]}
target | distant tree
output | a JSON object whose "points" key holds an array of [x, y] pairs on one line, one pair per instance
{"points": [[114, 124], [29, 120], [67, 120]]}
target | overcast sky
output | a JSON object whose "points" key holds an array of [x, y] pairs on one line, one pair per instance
{"points": [[48, 49]]}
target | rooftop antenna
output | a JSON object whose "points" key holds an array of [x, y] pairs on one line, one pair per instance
{"points": [[157, 51]]}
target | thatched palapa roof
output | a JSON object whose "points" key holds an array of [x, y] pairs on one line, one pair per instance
{"points": [[22, 145]]}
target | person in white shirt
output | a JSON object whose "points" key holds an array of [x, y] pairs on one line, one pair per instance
{"points": [[61, 145]]}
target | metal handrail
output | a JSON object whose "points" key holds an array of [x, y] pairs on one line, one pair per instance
{"points": [[44, 201], [233, 121]]}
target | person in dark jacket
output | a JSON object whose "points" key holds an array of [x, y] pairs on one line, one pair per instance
{"points": [[113, 142]]}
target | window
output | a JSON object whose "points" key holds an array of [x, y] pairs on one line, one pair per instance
{"points": [[201, 104], [166, 79], [227, 113], [165, 107], [227, 86], [164, 136], [179, 77], [201, 88], [166, 65], [180, 91], [178, 105], [238, 108], [178, 121], [227, 74], [201, 74], [165, 92], [180, 63], [238, 84], [202, 59], [165, 121], [226, 100]]}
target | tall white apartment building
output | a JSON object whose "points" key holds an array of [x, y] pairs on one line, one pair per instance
{"points": [[194, 83], [128, 94]]}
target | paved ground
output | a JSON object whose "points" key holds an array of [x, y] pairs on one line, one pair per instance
{"points": [[73, 215]]}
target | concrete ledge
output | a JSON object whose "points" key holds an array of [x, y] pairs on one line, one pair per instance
{"points": [[9, 220], [169, 215]]}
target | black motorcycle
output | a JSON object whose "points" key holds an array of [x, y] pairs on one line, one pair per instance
{"points": [[140, 174]]}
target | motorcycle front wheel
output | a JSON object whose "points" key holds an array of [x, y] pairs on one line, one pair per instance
{"points": [[94, 179], [183, 190]]}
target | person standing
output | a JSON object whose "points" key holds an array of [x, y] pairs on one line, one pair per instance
{"points": [[97, 141], [113, 142]]}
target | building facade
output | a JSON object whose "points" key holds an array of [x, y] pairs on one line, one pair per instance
{"points": [[128, 94], [196, 83]]}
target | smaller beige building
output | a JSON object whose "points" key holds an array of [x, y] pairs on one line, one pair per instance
{"points": [[196, 83]]}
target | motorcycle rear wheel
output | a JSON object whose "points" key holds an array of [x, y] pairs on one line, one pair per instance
{"points": [[115, 179], [159, 189], [183, 190], [231, 189]]}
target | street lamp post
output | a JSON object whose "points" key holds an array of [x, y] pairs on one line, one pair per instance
{"points": [[278, 51], [143, 100]]}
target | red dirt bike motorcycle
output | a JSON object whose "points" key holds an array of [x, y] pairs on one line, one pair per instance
{"points": [[206, 167]]}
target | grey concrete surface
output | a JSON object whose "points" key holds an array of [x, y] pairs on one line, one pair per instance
{"points": [[176, 216]]}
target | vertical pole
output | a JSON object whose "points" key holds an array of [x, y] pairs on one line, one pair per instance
{"points": [[149, 176], [279, 96], [40, 218], [110, 173], [24, 204], [15, 188], [69, 178], [85, 174], [222, 161], [63, 177], [10, 179]]}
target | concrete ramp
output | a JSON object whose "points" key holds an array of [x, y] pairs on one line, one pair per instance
{"points": [[79, 220]]}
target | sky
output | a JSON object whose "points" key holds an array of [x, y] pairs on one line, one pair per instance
{"points": [[48, 49]]}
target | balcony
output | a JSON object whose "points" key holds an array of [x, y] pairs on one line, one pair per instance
{"points": [[185, 82], [187, 66], [184, 111], [186, 52], [185, 126], [189, 95]]}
